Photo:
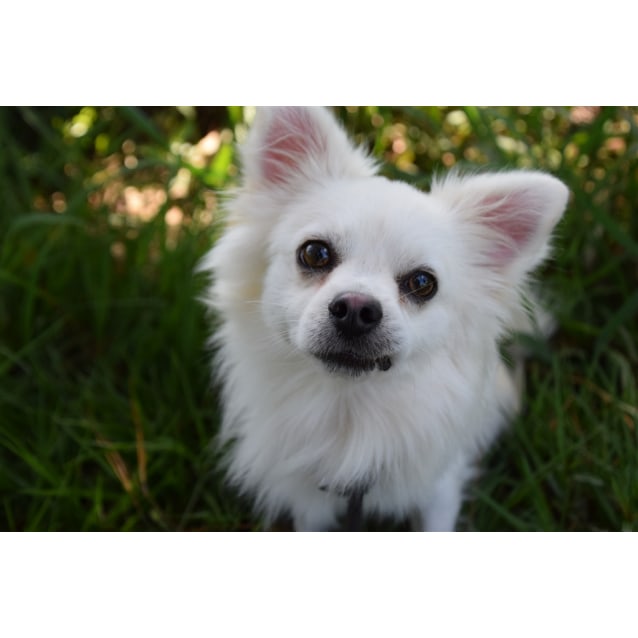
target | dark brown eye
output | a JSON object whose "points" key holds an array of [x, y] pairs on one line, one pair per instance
{"points": [[419, 285], [315, 255]]}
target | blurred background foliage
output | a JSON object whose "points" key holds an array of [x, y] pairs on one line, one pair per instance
{"points": [[106, 407]]}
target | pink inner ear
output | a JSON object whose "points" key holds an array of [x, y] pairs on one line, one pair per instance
{"points": [[292, 138], [514, 217]]}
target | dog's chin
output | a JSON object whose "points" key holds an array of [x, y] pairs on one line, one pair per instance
{"points": [[352, 364]]}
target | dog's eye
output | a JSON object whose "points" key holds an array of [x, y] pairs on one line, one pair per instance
{"points": [[420, 285], [315, 255]]}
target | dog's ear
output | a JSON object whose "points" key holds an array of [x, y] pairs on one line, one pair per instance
{"points": [[289, 144], [508, 216]]}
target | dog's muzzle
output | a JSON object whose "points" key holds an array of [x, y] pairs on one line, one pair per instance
{"points": [[355, 345]]}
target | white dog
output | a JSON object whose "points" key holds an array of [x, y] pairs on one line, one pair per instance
{"points": [[360, 323]]}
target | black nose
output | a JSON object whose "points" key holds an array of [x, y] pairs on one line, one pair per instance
{"points": [[354, 314]]}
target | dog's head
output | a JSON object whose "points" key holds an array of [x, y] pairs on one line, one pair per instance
{"points": [[361, 273]]}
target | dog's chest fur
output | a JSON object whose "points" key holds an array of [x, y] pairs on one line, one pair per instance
{"points": [[393, 433]]}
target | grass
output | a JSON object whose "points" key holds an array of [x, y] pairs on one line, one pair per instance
{"points": [[106, 406]]}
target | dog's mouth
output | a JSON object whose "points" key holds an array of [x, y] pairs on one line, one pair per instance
{"points": [[353, 364]]}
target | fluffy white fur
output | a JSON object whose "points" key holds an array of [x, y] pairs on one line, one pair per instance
{"points": [[411, 433]]}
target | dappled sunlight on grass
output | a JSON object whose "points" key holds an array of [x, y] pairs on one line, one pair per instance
{"points": [[144, 203]]}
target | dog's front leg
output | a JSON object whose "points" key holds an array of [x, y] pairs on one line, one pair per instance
{"points": [[315, 512], [440, 512]]}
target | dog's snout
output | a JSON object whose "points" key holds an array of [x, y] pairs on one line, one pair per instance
{"points": [[355, 314]]}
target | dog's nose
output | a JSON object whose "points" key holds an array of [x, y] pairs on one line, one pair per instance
{"points": [[354, 314]]}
